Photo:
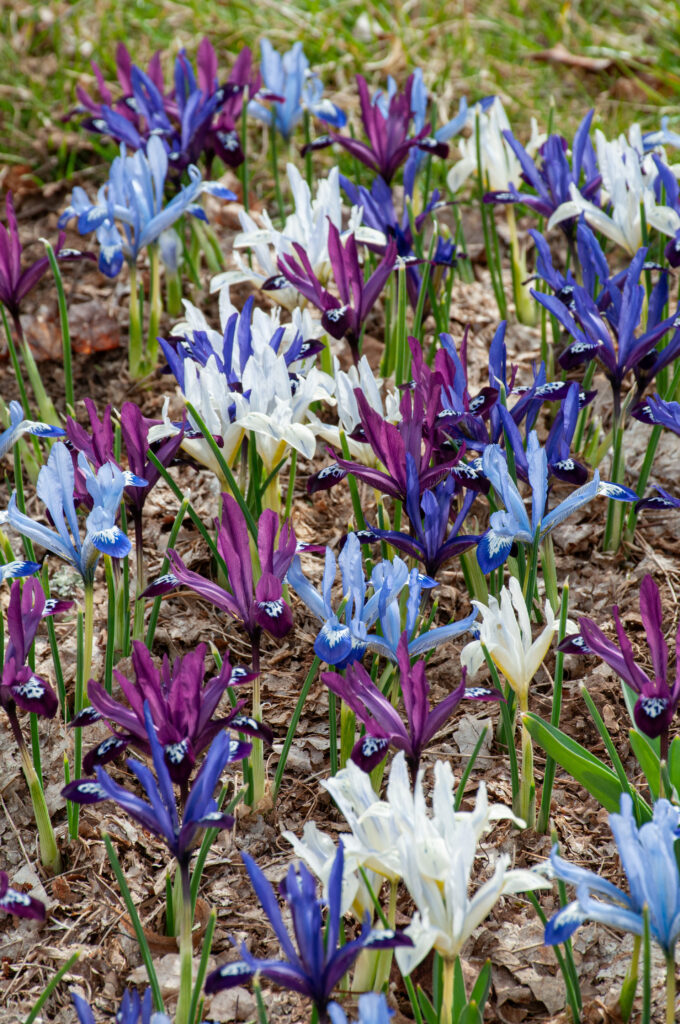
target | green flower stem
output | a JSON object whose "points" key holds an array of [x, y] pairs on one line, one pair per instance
{"points": [[670, 990], [304, 693], [45, 405], [292, 473], [524, 303], [549, 772], [347, 732], [402, 369], [384, 964], [333, 732], [155, 308], [614, 525], [185, 949], [475, 581], [88, 644], [65, 329], [140, 581], [156, 608], [173, 294], [135, 357], [202, 968], [448, 971], [629, 986], [529, 587], [527, 787]]}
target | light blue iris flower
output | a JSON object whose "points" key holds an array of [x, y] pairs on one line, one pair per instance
{"points": [[300, 89], [134, 198], [339, 642], [513, 523], [55, 488], [649, 861], [373, 1009], [19, 425]]}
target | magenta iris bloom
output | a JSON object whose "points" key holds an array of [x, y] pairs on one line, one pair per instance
{"points": [[343, 317], [384, 725], [258, 609], [182, 709], [658, 697], [20, 685], [16, 283], [387, 126]]}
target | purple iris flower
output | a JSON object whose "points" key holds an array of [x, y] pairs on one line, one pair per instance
{"points": [[391, 443], [561, 464], [343, 317], [198, 117], [182, 709], [431, 540], [658, 697], [380, 214], [159, 815], [552, 177], [19, 903], [318, 964], [132, 1010], [263, 609], [20, 685], [384, 725], [606, 329], [387, 126], [16, 283], [655, 411]]}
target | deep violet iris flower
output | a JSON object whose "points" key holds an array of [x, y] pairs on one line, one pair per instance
{"points": [[20, 685], [384, 725], [264, 608], [433, 539], [16, 283], [658, 697], [387, 126], [132, 1010], [182, 709], [343, 317], [20, 904], [197, 117], [551, 176], [317, 965], [159, 815]]}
